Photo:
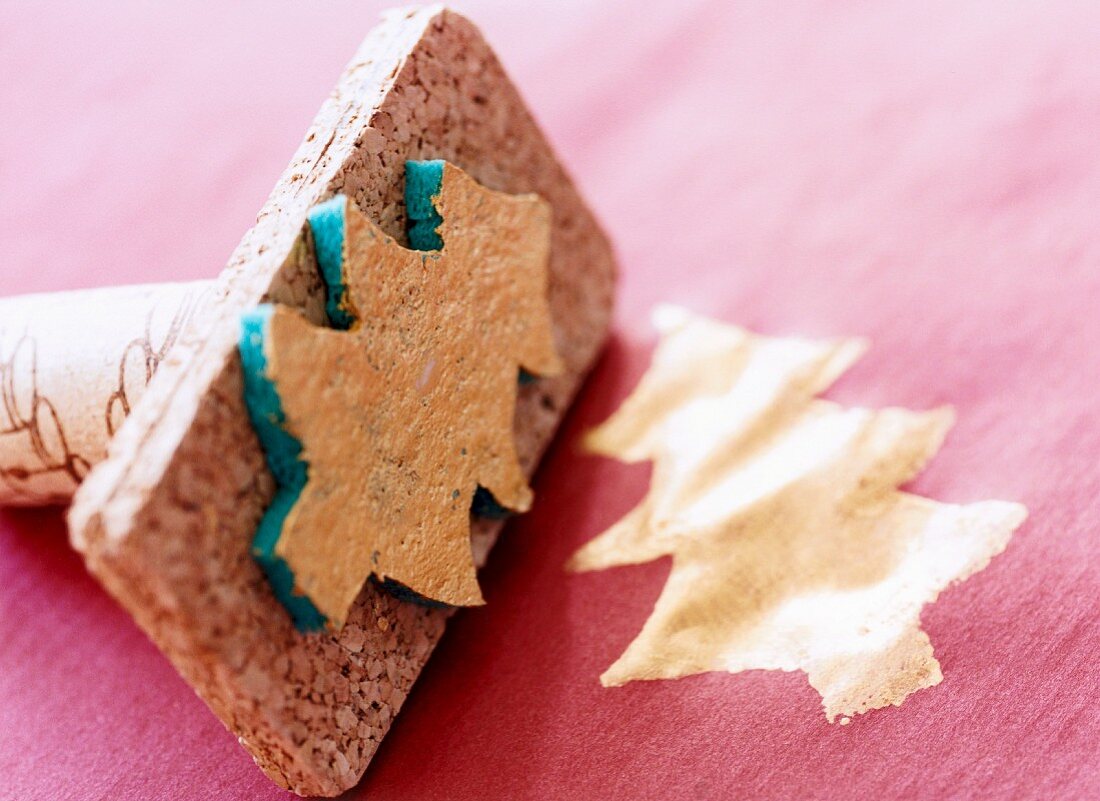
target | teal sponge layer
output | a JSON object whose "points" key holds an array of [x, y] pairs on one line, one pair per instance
{"points": [[423, 183], [283, 452], [326, 222]]}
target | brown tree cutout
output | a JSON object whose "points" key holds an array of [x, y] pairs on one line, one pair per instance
{"points": [[417, 400]]}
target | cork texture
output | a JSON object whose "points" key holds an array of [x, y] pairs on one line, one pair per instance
{"points": [[166, 520]]}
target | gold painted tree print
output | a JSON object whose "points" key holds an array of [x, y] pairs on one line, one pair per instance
{"points": [[792, 547]]}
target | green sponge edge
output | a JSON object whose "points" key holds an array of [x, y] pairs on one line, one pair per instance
{"points": [[283, 453], [423, 184], [326, 222]]}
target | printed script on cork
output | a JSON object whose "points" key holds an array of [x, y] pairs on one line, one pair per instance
{"points": [[70, 372], [792, 547]]}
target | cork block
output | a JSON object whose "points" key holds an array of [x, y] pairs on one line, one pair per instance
{"points": [[166, 521]]}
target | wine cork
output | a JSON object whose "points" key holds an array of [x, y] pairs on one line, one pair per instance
{"points": [[72, 365]]}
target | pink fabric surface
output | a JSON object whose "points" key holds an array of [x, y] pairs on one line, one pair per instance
{"points": [[926, 175]]}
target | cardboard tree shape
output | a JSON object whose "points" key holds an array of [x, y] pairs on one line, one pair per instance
{"points": [[393, 456]]}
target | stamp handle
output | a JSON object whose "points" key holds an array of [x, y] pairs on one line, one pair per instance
{"points": [[72, 364]]}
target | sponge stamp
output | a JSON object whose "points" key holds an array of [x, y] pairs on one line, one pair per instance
{"points": [[407, 413], [166, 521]]}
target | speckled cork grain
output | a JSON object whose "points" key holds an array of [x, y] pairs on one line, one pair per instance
{"points": [[166, 521]]}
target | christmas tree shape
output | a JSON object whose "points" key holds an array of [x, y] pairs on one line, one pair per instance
{"points": [[792, 547], [411, 393]]}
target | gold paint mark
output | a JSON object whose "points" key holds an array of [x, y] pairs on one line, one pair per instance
{"points": [[792, 548], [388, 411]]}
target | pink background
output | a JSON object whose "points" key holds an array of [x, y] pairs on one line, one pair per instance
{"points": [[927, 175]]}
